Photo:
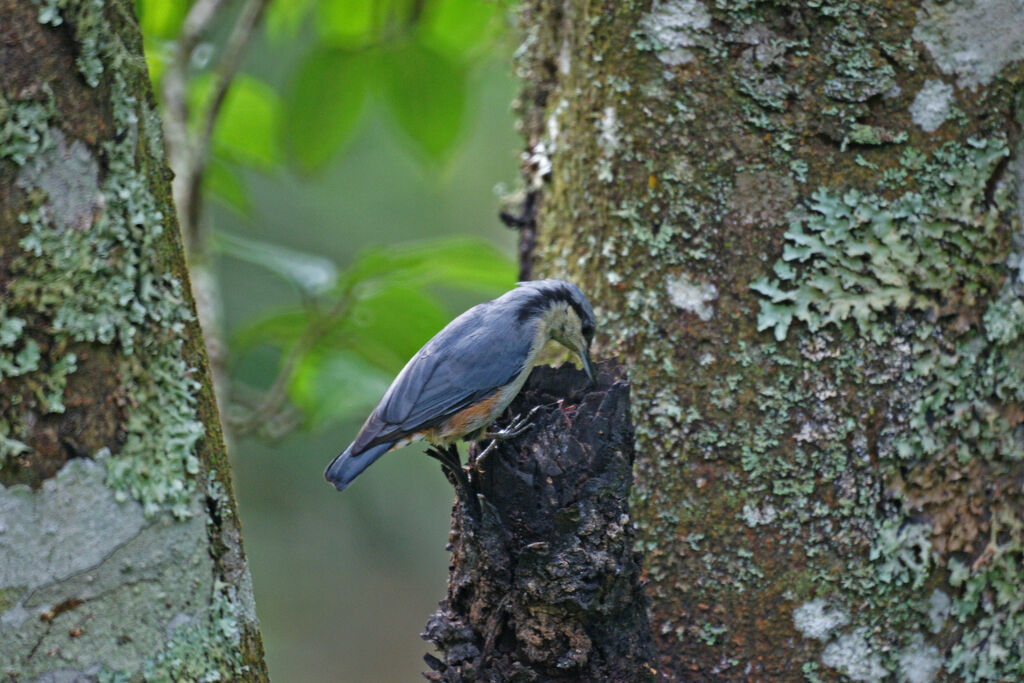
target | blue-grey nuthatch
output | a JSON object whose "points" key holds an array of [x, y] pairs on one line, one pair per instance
{"points": [[464, 377]]}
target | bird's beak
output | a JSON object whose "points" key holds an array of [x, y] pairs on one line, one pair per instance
{"points": [[585, 357]]}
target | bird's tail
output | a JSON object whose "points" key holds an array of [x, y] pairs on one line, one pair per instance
{"points": [[346, 467]]}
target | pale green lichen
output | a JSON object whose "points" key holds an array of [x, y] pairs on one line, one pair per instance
{"points": [[86, 16], [861, 254], [902, 553], [989, 607], [24, 130], [202, 650], [103, 235], [15, 362], [120, 297], [157, 462]]}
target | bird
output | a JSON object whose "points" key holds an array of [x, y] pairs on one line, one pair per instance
{"points": [[468, 373]]}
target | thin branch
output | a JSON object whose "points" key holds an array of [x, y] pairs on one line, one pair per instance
{"points": [[271, 405], [175, 91], [227, 68]]}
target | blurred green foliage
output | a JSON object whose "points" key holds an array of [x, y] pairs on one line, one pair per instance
{"points": [[350, 329], [360, 326], [411, 55]]}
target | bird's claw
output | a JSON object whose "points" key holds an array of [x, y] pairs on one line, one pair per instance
{"points": [[517, 426]]}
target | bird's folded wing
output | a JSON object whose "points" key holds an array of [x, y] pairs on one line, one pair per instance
{"points": [[460, 366]]}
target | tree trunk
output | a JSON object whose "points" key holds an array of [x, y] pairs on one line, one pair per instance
{"points": [[544, 582], [798, 225], [120, 549]]}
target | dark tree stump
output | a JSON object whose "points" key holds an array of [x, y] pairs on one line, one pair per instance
{"points": [[544, 584]]}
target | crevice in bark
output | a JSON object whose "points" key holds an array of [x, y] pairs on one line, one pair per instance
{"points": [[545, 586], [525, 221]]}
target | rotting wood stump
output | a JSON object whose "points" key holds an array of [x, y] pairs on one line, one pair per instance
{"points": [[544, 584]]}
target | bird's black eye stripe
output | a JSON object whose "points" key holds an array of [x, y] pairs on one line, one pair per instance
{"points": [[543, 297]]}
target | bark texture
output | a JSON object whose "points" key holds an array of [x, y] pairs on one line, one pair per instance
{"points": [[544, 583], [120, 548], [798, 224]]}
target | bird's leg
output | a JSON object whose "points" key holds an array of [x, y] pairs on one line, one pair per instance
{"points": [[518, 425]]}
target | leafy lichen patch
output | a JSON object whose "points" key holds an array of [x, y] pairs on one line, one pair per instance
{"points": [[102, 235], [861, 254]]}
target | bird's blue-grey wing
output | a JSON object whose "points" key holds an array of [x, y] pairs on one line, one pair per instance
{"points": [[463, 364]]}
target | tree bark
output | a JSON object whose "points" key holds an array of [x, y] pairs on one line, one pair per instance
{"points": [[544, 582], [120, 548], [798, 224]]}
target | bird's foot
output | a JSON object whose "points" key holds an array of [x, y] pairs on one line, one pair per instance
{"points": [[517, 426]]}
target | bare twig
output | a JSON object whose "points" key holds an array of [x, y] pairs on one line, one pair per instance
{"points": [[271, 405], [175, 91], [227, 68]]}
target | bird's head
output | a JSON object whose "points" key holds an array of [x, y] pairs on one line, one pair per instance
{"points": [[562, 313]]}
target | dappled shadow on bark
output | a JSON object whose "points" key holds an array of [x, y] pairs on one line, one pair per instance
{"points": [[544, 584]]}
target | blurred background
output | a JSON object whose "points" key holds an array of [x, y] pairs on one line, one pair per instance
{"points": [[339, 166]]}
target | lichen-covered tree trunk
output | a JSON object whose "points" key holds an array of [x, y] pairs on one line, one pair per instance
{"points": [[798, 223], [120, 549]]}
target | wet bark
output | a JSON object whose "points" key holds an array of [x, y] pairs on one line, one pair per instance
{"points": [[544, 582], [799, 226], [121, 554]]}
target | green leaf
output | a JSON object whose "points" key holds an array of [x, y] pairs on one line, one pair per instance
{"points": [[155, 52], [223, 182], [324, 105], [459, 27], [347, 22], [465, 263], [389, 326], [161, 18], [311, 273], [284, 18], [426, 93], [334, 385], [281, 329], [247, 126]]}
